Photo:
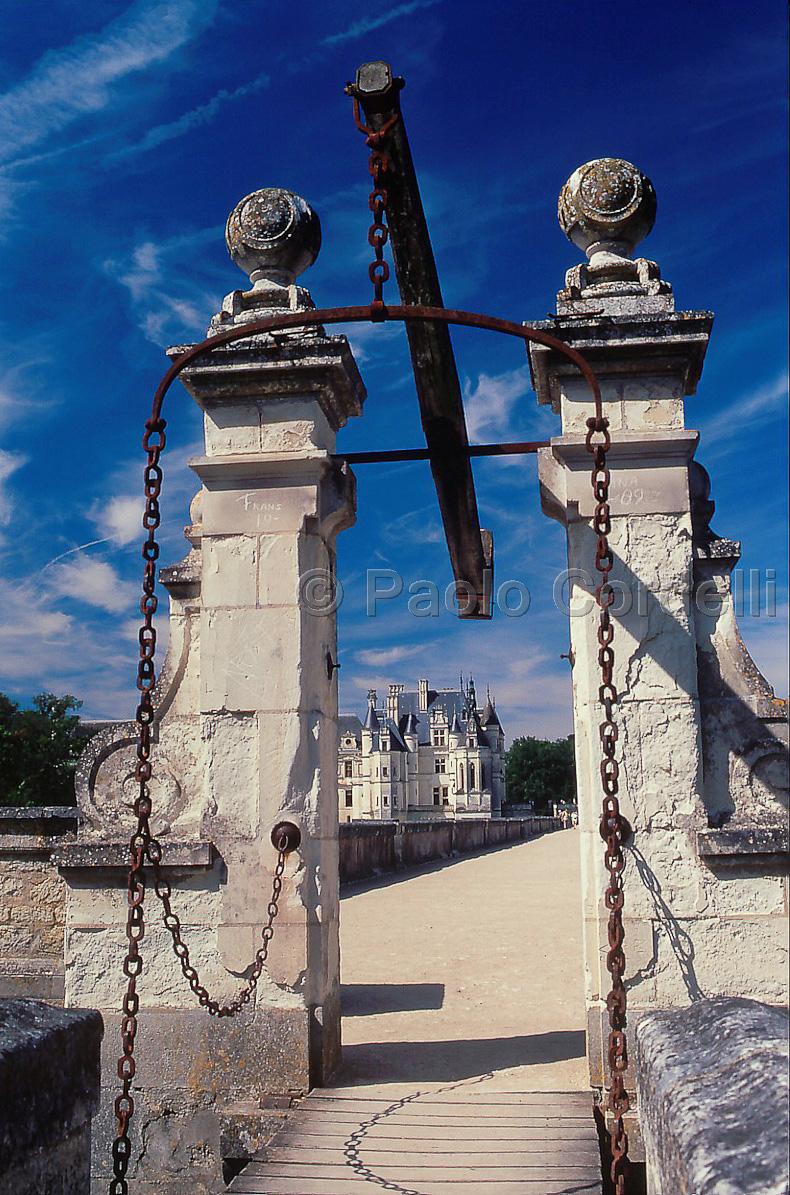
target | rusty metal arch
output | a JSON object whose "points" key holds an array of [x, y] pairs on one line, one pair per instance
{"points": [[349, 315]]}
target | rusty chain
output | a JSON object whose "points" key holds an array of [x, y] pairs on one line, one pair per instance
{"points": [[143, 845], [378, 234], [614, 827]]}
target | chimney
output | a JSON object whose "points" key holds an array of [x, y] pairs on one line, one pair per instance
{"points": [[422, 686], [392, 702]]}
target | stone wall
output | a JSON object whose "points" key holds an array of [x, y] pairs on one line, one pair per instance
{"points": [[712, 1084], [33, 902], [370, 848], [49, 1090]]}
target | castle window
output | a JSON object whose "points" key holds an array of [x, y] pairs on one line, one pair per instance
{"points": [[386, 799], [441, 764], [472, 776], [384, 770], [348, 768], [349, 798], [445, 797], [439, 737], [436, 796]]}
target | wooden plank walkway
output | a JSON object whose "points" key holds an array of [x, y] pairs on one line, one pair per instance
{"points": [[464, 1069], [457, 1140]]}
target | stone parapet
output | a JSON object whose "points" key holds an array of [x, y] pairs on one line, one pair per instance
{"points": [[49, 1090], [369, 848], [712, 1091]]}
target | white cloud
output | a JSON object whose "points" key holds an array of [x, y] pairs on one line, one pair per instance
{"points": [[121, 519], [747, 412], [9, 463], [79, 80], [766, 641], [94, 582], [43, 648], [415, 526], [168, 297], [387, 656], [70, 82], [368, 24], [489, 403], [193, 119]]}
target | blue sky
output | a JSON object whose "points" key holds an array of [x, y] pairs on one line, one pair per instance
{"points": [[128, 131]]}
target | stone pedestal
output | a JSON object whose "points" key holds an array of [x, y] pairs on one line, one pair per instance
{"points": [[702, 739], [246, 736]]}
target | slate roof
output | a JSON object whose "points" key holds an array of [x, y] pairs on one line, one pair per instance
{"points": [[489, 716], [452, 702], [350, 724]]}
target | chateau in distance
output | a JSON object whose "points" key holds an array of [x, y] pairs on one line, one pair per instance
{"points": [[423, 753]]}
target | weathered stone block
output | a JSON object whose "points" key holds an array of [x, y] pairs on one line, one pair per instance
{"points": [[745, 954], [193, 1070], [49, 1089], [278, 570], [230, 565], [698, 1070], [232, 428]]}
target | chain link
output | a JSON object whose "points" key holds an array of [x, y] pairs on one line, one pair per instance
{"points": [[614, 828], [144, 846], [378, 234]]}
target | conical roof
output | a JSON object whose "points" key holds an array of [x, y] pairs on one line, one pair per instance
{"points": [[489, 715], [371, 718]]}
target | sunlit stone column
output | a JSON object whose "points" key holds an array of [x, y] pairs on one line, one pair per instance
{"points": [[246, 737], [694, 924]]}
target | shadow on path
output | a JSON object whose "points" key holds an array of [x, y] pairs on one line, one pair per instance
{"points": [[369, 999], [447, 1061]]}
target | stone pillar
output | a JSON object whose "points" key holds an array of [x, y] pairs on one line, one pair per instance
{"points": [[246, 736], [694, 924]]}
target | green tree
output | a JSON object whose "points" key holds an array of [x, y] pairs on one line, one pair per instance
{"points": [[540, 771], [38, 750]]}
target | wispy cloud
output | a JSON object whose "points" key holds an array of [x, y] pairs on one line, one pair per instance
{"points": [[9, 463], [168, 302], [766, 641], [202, 114], [416, 526], [387, 657], [748, 411], [81, 79], [489, 403], [368, 24]]}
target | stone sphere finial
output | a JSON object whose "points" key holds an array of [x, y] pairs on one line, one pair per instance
{"points": [[607, 207], [273, 235]]}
